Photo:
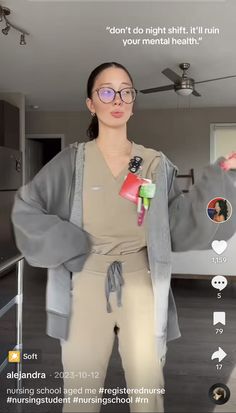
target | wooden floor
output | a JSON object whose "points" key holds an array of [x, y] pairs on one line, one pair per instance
{"points": [[189, 370]]}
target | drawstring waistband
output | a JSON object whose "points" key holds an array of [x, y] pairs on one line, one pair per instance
{"points": [[113, 266], [114, 281]]}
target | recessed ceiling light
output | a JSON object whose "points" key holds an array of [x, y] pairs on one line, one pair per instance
{"points": [[34, 107]]}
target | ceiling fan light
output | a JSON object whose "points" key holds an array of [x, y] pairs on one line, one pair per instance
{"points": [[184, 92]]}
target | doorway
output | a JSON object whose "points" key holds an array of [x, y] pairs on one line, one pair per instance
{"points": [[39, 150]]}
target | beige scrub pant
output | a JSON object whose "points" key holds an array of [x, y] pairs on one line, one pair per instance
{"points": [[86, 353]]}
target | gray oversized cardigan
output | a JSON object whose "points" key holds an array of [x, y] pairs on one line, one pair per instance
{"points": [[47, 219]]}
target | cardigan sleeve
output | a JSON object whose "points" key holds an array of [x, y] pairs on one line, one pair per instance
{"points": [[40, 216], [190, 227]]}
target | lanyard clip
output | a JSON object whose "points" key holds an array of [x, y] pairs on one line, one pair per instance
{"points": [[135, 163]]}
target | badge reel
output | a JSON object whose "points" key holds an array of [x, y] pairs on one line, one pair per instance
{"points": [[136, 189]]}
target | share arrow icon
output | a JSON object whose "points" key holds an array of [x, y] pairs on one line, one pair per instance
{"points": [[219, 354]]}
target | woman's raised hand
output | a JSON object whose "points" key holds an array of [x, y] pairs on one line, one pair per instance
{"points": [[229, 163]]}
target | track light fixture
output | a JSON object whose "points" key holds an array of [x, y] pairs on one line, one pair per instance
{"points": [[4, 12], [22, 39], [6, 30]]}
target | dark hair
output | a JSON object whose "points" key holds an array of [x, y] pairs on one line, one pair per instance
{"points": [[223, 208], [92, 131]]}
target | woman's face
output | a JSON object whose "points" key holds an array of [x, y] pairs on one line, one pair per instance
{"points": [[217, 207], [117, 112]]}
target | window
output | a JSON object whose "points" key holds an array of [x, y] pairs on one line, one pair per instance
{"points": [[222, 140]]}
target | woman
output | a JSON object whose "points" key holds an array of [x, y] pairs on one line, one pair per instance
{"points": [[115, 238], [221, 211], [121, 271]]}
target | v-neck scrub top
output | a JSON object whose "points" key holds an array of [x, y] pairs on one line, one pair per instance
{"points": [[110, 219]]}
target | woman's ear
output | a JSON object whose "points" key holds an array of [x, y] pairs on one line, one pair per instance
{"points": [[90, 105]]}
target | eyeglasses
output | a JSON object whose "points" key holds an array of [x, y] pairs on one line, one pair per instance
{"points": [[108, 95]]}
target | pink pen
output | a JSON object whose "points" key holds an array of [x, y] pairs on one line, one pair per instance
{"points": [[141, 216]]}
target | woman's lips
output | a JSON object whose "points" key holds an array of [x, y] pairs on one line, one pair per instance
{"points": [[117, 114]]}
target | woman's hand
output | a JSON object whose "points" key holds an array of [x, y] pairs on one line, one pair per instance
{"points": [[229, 163]]}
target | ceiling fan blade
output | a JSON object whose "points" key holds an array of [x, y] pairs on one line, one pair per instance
{"points": [[218, 78], [195, 93], [157, 89], [172, 75]]}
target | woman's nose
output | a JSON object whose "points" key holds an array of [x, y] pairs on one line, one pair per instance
{"points": [[117, 99]]}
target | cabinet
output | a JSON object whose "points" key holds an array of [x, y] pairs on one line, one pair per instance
{"points": [[9, 125]]}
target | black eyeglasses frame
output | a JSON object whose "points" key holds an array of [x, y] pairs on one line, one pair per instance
{"points": [[116, 91]]}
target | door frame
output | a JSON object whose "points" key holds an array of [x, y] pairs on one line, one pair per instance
{"points": [[47, 136]]}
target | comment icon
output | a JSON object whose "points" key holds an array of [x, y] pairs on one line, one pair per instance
{"points": [[219, 282]]}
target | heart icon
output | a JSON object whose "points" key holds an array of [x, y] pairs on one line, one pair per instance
{"points": [[219, 246]]}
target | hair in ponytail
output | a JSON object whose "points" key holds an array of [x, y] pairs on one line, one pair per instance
{"points": [[92, 131]]}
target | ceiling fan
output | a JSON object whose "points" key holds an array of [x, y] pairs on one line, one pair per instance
{"points": [[183, 85]]}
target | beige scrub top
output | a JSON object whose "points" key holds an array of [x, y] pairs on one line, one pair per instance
{"points": [[110, 219]]}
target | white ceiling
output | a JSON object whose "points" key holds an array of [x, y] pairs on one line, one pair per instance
{"points": [[69, 38]]}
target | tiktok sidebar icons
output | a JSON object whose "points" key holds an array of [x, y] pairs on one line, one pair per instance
{"points": [[219, 393], [219, 210], [219, 282]]}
